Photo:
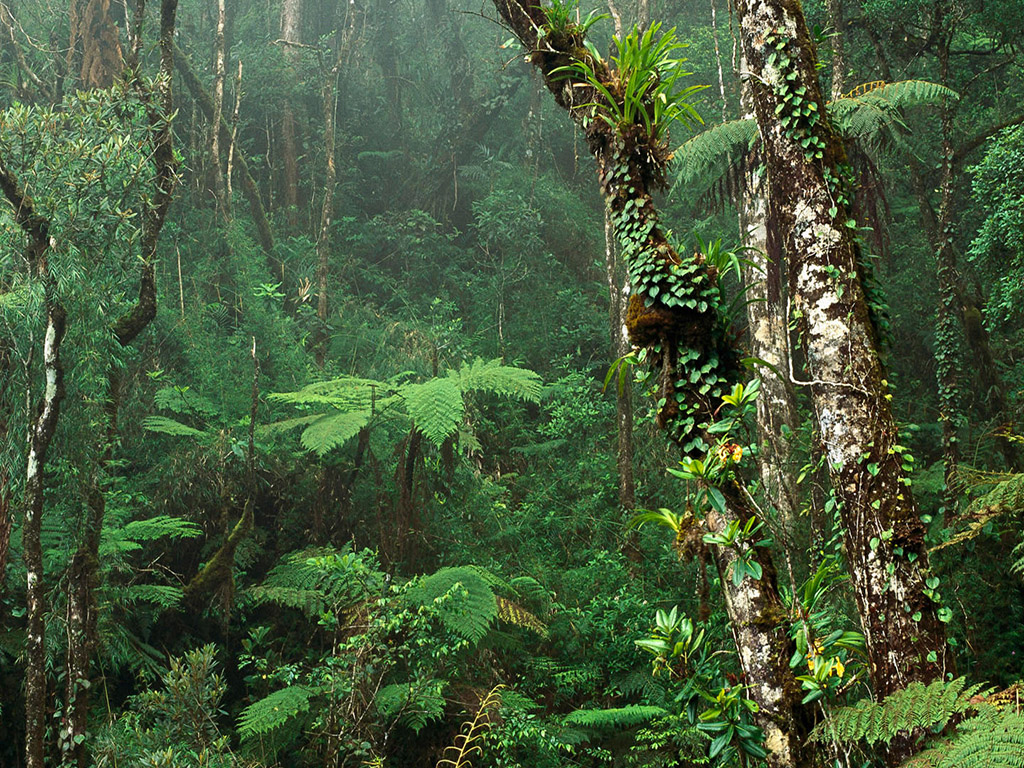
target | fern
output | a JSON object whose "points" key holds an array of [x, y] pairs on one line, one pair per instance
{"points": [[465, 603], [991, 739], [916, 706], [610, 719], [708, 154], [329, 432], [313, 580], [466, 746], [507, 381], [273, 711], [168, 426], [513, 613], [436, 407]]}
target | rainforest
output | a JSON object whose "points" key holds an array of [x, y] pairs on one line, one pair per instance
{"points": [[511, 384]]}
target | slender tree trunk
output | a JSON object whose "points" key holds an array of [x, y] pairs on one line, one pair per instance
{"points": [[618, 298], [219, 72], [777, 417], [42, 426], [834, 8], [810, 207], [323, 239], [291, 32]]}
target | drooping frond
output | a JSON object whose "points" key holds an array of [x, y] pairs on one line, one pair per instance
{"points": [[512, 613], [994, 738], [169, 426], [464, 602], [709, 154], [277, 427], [506, 380], [332, 430], [318, 579], [460, 754], [875, 118], [916, 706], [609, 719], [436, 407], [347, 393], [273, 711]]}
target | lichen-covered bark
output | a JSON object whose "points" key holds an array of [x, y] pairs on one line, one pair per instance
{"points": [[676, 335], [884, 534]]}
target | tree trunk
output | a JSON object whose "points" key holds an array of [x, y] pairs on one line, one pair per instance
{"points": [[95, 49], [42, 427], [810, 207], [291, 32], [220, 69], [834, 8], [618, 298], [768, 330], [679, 339]]}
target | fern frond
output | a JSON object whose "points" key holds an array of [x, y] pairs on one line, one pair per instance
{"points": [[274, 710], [608, 719], [515, 614], [328, 432], [875, 116], [153, 528], [505, 380], [168, 426], [467, 611], [277, 427], [436, 407], [916, 706], [161, 595], [347, 393], [465, 746], [708, 154]]}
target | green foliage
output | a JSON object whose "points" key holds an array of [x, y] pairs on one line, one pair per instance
{"points": [[414, 704], [709, 154], [916, 706], [464, 601], [990, 739], [273, 711], [617, 718], [644, 87], [437, 406], [873, 117]]}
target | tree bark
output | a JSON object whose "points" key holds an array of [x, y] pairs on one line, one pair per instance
{"points": [[95, 49], [810, 207], [291, 29], [834, 8], [618, 298]]}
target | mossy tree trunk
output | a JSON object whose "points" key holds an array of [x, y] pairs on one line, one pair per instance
{"points": [[810, 207], [672, 314]]}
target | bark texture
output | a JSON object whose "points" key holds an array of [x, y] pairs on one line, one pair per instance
{"points": [[810, 207]]}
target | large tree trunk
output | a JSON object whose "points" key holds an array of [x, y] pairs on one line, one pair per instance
{"points": [[95, 49], [618, 299], [630, 165], [810, 207], [291, 29]]}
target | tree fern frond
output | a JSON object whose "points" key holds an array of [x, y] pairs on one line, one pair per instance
{"points": [[916, 706], [465, 746], [168, 426], [277, 427], [513, 613], [465, 603], [991, 739], [332, 430], [436, 407], [274, 710], [506, 380], [708, 154], [158, 527], [875, 116], [607, 719]]}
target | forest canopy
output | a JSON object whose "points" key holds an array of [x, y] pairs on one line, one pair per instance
{"points": [[424, 384]]}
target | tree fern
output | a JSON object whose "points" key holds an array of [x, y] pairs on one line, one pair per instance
{"points": [[330, 431], [168, 426], [465, 603], [436, 407], [916, 706], [493, 377], [708, 154], [274, 710], [991, 739], [610, 719]]}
